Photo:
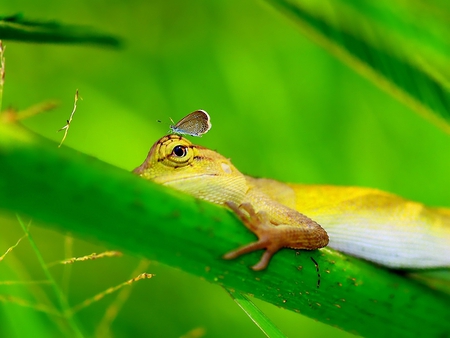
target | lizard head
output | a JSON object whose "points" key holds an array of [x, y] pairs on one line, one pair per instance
{"points": [[174, 161]]}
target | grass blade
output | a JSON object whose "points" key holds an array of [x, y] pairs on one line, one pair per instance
{"points": [[18, 28], [383, 42], [60, 296], [256, 315]]}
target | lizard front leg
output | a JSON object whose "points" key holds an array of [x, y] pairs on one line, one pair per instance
{"points": [[299, 232]]}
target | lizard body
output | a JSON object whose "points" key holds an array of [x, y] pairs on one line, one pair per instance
{"points": [[367, 223]]}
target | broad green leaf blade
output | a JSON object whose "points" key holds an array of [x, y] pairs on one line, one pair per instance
{"points": [[255, 314], [93, 200], [19, 29], [402, 48]]}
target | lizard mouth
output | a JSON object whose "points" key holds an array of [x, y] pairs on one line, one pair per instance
{"points": [[169, 181]]}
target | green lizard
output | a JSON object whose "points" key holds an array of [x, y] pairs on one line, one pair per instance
{"points": [[366, 223]]}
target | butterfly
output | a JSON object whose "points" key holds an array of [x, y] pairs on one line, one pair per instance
{"points": [[196, 123]]}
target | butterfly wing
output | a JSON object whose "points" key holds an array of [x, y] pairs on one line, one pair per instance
{"points": [[196, 123]]}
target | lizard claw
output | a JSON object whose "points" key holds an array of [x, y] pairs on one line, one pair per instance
{"points": [[270, 237]]}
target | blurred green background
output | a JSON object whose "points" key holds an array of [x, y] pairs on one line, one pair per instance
{"points": [[280, 106]]}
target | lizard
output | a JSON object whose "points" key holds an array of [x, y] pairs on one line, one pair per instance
{"points": [[363, 222]]}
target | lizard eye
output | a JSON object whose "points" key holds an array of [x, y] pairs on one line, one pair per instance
{"points": [[179, 151]]}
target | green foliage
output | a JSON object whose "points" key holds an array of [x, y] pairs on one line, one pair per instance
{"points": [[257, 316], [280, 108], [17, 28], [389, 42]]}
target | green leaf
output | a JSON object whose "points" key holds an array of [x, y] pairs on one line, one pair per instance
{"points": [[20, 29], [93, 200], [403, 48], [255, 314]]}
